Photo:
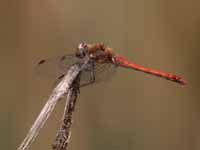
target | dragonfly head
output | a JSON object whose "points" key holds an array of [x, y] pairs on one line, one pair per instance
{"points": [[82, 50]]}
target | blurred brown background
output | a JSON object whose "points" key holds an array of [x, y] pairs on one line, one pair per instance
{"points": [[132, 111]]}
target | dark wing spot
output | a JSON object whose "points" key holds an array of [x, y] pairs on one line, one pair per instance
{"points": [[62, 58], [41, 62]]}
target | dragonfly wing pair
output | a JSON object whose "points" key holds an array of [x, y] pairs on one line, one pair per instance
{"points": [[57, 67]]}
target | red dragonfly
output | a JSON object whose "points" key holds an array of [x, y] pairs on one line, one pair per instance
{"points": [[99, 61], [102, 63]]}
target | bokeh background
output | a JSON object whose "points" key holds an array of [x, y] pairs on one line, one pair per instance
{"points": [[132, 111]]}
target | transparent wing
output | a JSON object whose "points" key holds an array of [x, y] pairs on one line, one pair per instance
{"points": [[96, 74], [56, 66], [101, 72], [104, 71]]}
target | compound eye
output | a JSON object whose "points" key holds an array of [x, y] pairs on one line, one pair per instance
{"points": [[82, 50], [82, 45]]}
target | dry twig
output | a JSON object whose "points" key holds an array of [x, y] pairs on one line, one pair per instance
{"points": [[61, 90], [63, 135]]}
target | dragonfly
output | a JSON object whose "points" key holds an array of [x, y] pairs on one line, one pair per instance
{"points": [[99, 62], [103, 63]]}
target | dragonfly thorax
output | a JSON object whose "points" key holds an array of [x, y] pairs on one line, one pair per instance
{"points": [[97, 52]]}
